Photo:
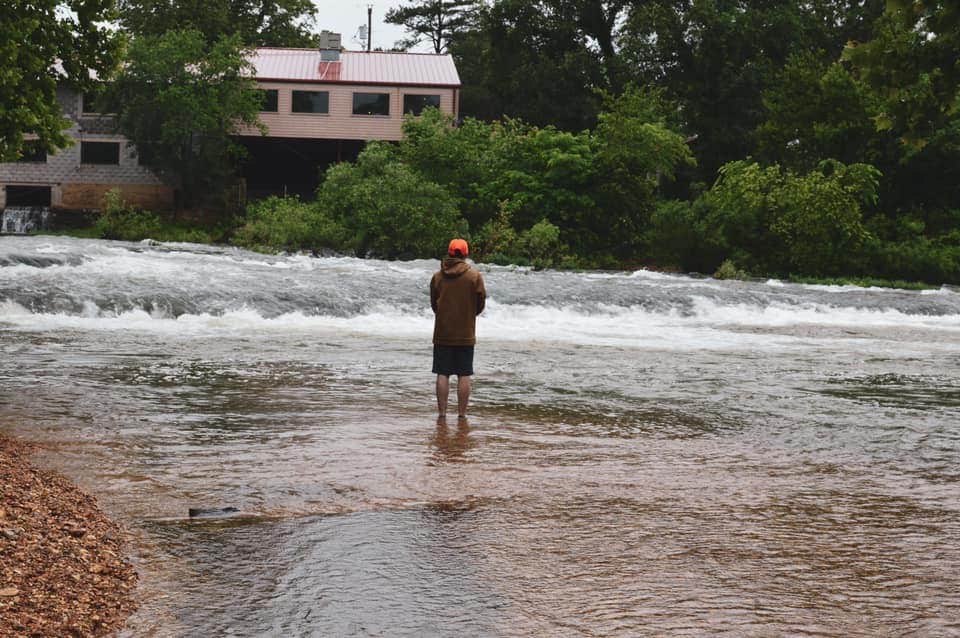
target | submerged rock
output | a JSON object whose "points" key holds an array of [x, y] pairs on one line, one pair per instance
{"points": [[223, 512]]}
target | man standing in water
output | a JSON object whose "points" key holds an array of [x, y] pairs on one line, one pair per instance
{"points": [[457, 296]]}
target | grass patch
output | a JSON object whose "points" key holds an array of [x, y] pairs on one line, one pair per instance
{"points": [[863, 282]]}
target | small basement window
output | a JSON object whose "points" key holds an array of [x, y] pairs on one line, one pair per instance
{"points": [[414, 104], [371, 104], [99, 152], [270, 100], [310, 102], [28, 195]]}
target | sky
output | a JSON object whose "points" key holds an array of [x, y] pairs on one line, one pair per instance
{"points": [[346, 16]]}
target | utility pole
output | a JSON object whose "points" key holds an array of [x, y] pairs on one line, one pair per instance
{"points": [[369, 26]]}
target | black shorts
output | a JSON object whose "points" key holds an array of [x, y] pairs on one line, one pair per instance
{"points": [[456, 360]]}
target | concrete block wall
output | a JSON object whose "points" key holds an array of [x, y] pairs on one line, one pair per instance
{"points": [[81, 186]]}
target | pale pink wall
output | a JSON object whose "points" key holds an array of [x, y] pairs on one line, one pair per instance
{"points": [[340, 123]]}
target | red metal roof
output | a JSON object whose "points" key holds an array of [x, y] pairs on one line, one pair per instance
{"points": [[356, 67]]}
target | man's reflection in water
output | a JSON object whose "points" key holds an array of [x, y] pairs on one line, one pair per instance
{"points": [[450, 446]]}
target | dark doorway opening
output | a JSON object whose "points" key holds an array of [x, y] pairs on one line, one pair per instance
{"points": [[281, 166], [28, 196]]}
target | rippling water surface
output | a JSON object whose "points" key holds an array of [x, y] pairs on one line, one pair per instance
{"points": [[646, 454]]}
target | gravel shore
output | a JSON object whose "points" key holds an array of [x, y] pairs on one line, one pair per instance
{"points": [[62, 570]]}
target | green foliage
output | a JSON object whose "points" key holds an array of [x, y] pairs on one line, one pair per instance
{"points": [[542, 174], [436, 21], [916, 259], [539, 246], [717, 58], [729, 270], [272, 23], [636, 151], [818, 110], [34, 36], [677, 238], [182, 102], [286, 223], [387, 208], [778, 221], [118, 220], [532, 60], [910, 65], [596, 187], [863, 282], [911, 60]]}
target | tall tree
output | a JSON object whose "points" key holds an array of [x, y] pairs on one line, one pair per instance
{"points": [[439, 22], [600, 20], [911, 64], [257, 22], [531, 60], [181, 102], [716, 57], [34, 36]]}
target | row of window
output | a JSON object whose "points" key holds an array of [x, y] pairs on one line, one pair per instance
{"points": [[363, 103], [90, 153]]}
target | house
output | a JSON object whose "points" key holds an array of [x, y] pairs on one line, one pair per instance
{"points": [[77, 177], [321, 106]]}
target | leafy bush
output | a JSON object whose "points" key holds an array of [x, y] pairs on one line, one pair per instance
{"points": [[387, 208], [729, 270], [539, 246], [919, 259], [117, 220], [286, 223], [779, 221], [677, 238]]}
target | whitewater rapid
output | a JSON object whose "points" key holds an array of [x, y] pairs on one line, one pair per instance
{"points": [[182, 289]]}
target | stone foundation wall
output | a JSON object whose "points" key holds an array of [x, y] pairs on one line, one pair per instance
{"points": [[90, 196]]}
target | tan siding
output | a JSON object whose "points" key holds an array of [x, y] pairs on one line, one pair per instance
{"points": [[340, 123]]}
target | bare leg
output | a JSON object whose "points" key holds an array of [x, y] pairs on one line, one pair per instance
{"points": [[463, 395], [443, 393]]}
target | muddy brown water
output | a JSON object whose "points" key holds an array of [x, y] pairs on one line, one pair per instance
{"points": [[646, 454]]}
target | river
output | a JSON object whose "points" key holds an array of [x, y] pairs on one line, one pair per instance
{"points": [[646, 454]]}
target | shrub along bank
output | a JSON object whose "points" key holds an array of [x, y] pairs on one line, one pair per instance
{"points": [[594, 199]]}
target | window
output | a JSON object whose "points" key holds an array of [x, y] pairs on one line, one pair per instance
{"points": [[32, 152], [416, 103], [371, 104], [95, 101], [270, 99], [311, 102], [99, 152]]}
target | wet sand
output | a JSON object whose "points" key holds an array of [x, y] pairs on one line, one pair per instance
{"points": [[62, 569]]}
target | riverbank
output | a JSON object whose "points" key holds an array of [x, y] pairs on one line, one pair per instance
{"points": [[62, 571]]}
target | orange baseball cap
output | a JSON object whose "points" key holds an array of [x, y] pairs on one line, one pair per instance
{"points": [[458, 245]]}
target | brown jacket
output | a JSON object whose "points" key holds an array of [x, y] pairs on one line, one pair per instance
{"points": [[457, 296]]}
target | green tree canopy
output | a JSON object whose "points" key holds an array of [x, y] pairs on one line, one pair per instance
{"points": [[816, 109], [181, 102], [532, 61], [437, 21], [716, 57], [911, 61], [772, 220], [388, 208], [34, 37], [273, 23]]}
